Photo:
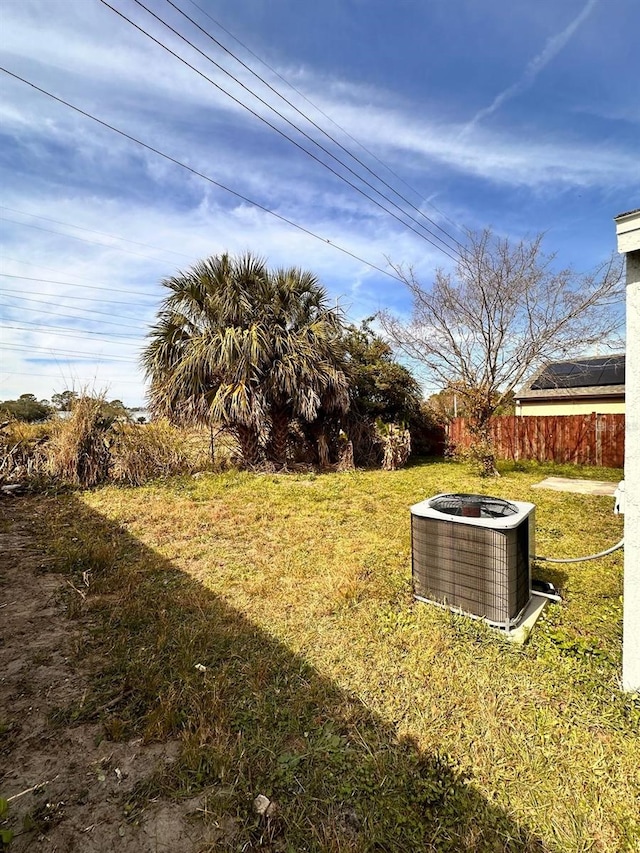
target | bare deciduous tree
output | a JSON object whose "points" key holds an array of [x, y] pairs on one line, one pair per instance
{"points": [[503, 314]]}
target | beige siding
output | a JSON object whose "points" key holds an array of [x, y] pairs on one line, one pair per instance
{"points": [[566, 407]]}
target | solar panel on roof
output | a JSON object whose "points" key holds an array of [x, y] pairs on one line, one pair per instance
{"points": [[596, 362], [561, 368], [543, 382], [613, 374], [551, 376], [586, 375], [564, 381], [604, 370]]}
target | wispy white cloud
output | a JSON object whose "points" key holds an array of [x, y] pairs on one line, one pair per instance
{"points": [[62, 166], [502, 158], [119, 267], [551, 49], [168, 96]]}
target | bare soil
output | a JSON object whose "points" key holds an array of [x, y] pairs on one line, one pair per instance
{"points": [[68, 787]]}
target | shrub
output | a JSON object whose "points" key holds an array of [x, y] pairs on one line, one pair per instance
{"points": [[396, 445], [428, 434], [143, 451]]}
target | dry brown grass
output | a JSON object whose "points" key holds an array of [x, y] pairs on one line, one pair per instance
{"points": [[329, 689], [142, 452], [78, 451], [23, 450], [89, 449]]}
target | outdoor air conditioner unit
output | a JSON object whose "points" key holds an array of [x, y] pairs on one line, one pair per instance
{"points": [[472, 553]]}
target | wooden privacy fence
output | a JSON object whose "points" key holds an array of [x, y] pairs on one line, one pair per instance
{"points": [[582, 439]]}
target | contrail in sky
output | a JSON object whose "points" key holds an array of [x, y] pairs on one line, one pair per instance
{"points": [[551, 49]]}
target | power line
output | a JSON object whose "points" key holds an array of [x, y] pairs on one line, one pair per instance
{"points": [[69, 354], [277, 129], [72, 283], [314, 124], [92, 299], [48, 312], [285, 119], [75, 237], [321, 111], [200, 174], [92, 231], [10, 373], [64, 331]]}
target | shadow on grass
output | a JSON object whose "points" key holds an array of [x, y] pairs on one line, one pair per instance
{"points": [[259, 719], [421, 461], [551, 573]]}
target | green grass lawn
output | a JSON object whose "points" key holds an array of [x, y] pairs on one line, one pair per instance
{"points": [[375, 722]]}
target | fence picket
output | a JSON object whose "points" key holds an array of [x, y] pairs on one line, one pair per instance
{"points": [[581, 439]]}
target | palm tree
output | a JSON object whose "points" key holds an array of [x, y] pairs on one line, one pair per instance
{"points": [[204, 347], [236, 344], [306, 372]]}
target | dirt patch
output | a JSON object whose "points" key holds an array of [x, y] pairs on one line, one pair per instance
{"points": [[69, 788]]}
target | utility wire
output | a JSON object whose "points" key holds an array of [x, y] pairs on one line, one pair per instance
{"points": [[69, 354], [65, 272], [10, 373], [92, 231], [48, 312], [67, 332], [92, 299], [318, 127], [276, 128], [193, 171], [290, 123], [328, 117], [75, 237], [73, 284]]}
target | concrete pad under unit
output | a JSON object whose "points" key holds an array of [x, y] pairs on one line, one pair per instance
{"points": [[521, 634]]}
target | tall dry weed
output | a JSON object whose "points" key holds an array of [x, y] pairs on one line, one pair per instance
{"points": [[141, 452], [23, 453], [91, 448], [78, 452]]}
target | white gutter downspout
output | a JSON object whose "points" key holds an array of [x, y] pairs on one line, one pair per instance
{"points": [[628, 234]]}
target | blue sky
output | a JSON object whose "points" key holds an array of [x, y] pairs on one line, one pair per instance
{"points": [[517, 115]]}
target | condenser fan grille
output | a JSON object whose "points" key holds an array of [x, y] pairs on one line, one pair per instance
{"points": [[473, 506]]}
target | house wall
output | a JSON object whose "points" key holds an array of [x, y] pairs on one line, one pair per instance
{"points": [[602, 406], [631, 593], [628, 234]]}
